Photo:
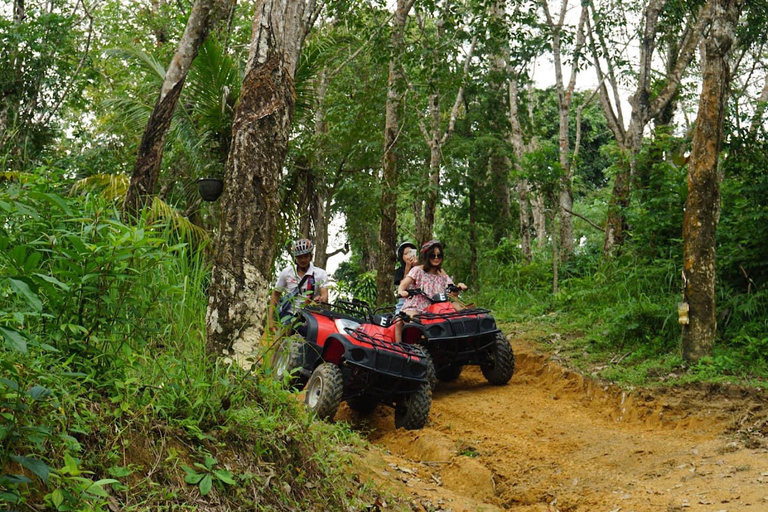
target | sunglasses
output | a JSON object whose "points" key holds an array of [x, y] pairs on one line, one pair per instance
{"points": [[436, 256]]}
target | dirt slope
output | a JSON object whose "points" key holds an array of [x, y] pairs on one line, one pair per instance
{"points": [[552, 440]]}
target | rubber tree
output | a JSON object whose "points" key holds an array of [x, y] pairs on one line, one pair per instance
{"points": [[650, 97], [146, 170], [385, 264], [702, 208], [245, 245], [435, 135], [556, 27]]}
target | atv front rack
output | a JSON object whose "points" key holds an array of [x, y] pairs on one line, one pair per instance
{"points": [[450, 315], [355, 310], [381, 343]]}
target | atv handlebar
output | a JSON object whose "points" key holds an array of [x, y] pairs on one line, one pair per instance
{"points": [[451, 289]]}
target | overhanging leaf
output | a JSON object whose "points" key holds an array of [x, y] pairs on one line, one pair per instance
{"points": [[24, 290], [14, 339], [39, 468]]}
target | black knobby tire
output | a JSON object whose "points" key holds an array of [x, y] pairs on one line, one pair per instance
{"points": [[362, 404], [431, 373], [449, 373], [289, 359], [412, 411], [324, 391], [502, 364]]}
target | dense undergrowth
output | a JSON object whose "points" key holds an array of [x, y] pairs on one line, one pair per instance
{"points": [[618, 320], [107, 399]]}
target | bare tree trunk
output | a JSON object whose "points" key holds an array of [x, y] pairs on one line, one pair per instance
{"points": [[473, 231], [565, 98], [702, 209], [645, 106], [499, 164], [146, 170], [523, 187], [436, 138], [388, 206], [245, 246]]}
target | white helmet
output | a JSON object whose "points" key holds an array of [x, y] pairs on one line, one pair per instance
{"points": [[301, 246]]}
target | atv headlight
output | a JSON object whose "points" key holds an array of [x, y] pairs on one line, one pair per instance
{"points": [[342, 324], [357, 354], [418, 370], [435, 331]]}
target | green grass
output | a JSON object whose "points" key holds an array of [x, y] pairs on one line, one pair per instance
{"points": [[619, 322]]}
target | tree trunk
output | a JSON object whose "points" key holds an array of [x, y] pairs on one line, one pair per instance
{"points": [[564, 100], [473, 231], [523, 187], [385, 264], [435, 154], [146, 170], [245, 246], [702, 208]]}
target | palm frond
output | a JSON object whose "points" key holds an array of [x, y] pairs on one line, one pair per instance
{"points": [[112, 187], [145, 61], [181, 225], [213, 87]]}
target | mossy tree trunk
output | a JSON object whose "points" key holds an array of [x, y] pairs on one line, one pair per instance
{"points": [[245, 246], [702, 209]]}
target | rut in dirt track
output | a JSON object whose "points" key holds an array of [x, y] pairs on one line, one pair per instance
{"points": [[552, 440]]}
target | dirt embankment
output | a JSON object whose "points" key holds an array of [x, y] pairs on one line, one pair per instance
{"points": [[553, 440]]}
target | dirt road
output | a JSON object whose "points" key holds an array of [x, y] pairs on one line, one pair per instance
{"points": [[552, 440]]}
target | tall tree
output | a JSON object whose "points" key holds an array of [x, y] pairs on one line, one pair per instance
{"points": [[649, 99], [245, 245], [146, 171], [702, 208], [434, 134], [564, 101], [385, 264]]}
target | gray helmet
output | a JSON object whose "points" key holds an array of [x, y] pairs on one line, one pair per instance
{"points": [[302, 246]]}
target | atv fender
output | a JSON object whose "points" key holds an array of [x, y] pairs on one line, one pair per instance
{"points": [[334, 349]]}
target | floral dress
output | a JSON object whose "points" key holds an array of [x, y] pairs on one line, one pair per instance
{"points": [[429, 284]]}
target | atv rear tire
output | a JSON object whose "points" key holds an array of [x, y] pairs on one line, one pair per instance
{"points": [[449, 373], [362, 404], [289, 359], [324, 391], [502, 365], [412, 411]]}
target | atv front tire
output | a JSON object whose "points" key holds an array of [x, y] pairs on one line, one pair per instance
{"points": [[362, 404], [412, 411], [287, 360], [502, 362], [449, 373], [324, 391]]}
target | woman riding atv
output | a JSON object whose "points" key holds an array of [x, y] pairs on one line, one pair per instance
{"points": [[429, 277]]}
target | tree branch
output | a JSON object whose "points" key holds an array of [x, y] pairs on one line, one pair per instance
{"points": [[583, 218]]}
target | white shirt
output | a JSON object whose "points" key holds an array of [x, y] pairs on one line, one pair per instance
{"points": [[287, 281]]}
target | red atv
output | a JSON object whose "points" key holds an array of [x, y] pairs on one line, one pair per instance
{"points": [[337, 360], [455, 338]]}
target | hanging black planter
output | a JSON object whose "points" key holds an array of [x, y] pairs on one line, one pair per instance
{"points": [[210, 188]]}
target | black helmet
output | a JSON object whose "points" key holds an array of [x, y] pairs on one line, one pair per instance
{"points": [[401, 249]]}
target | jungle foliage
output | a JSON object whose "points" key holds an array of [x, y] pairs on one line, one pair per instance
{"points": [[106, 393]]}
